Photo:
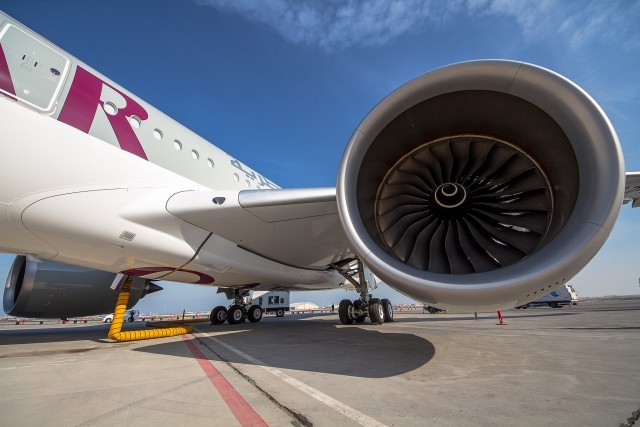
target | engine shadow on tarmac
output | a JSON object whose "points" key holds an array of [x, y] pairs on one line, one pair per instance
{"points": [[314, 346], [293, 329]]}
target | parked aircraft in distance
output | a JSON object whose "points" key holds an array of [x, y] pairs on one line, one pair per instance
{"points": [[480, 185]]}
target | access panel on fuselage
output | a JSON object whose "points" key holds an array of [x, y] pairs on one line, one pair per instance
{"points": [[29, 70]]}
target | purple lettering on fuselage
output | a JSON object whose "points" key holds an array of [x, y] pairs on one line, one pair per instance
{"points": [[5, 77], [80, 107]]}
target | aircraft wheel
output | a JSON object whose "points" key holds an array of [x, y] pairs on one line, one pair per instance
{"points": [[344, 312], [388, 310], [254, 314], [280, 312], [218, 315], [376, 311], [235, 314]]}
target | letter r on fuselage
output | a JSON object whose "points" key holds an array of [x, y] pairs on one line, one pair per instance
{"points": [[89, 93]]}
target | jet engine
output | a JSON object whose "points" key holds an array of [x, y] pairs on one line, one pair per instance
{"points": [[51, 290], [481, 185]]}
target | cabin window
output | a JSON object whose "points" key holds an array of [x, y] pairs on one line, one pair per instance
{"points": [[110, 108], [236, 177], [210, 162], [177, 144], [157, 134], [135, 121], [195, 155]]}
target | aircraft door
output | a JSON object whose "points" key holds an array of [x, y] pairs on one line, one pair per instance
{"points": [[29, 70]]}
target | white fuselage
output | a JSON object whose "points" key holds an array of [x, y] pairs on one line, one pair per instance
{"points": [[87, 169]]}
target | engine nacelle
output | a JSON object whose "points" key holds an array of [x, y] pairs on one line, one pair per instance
{"points": [[481, 185], [50, 290]]}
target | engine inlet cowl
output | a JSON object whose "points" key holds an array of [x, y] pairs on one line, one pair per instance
{"points": [[481, 184], [52, 290]]}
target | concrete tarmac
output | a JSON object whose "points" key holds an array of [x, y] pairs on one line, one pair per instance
{"points": [[546, 367]]}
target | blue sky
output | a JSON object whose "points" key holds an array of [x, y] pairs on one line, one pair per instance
{"points": [[282, 84]]}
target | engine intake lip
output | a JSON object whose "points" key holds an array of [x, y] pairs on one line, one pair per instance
{"points": [[586, 198], [19, 285]]}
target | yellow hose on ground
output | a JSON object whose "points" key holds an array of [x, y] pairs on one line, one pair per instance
{"points": [[115, 331]]}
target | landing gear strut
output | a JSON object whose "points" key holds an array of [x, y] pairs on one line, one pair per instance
{"points": [[378, 311]]}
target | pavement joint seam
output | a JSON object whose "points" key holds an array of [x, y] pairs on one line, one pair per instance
{"points": [[298, 418], [632, 419]]}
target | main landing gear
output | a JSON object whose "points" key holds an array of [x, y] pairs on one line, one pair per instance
{"points": [[237, 312], [377, 310]]}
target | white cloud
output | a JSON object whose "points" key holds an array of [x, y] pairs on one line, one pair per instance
{"points": [[334, 24], [605, 22]]}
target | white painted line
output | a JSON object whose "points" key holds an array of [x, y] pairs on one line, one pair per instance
{"points": [[334, 404], [37, 365]]}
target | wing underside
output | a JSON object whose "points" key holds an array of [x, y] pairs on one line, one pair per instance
{"points": [[299, 228], [632, 189]]}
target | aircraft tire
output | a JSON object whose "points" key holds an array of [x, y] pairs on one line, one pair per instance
{"points": [[254, 314], [344, 312], [280, 312], [388, 310], [218, 315], [235, 314], [376, 311]]}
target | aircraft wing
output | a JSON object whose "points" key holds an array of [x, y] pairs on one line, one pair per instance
{"points": [[298, 227], [632, 189]]}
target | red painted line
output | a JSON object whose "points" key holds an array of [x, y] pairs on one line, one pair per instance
{"points": [[243, 412]]}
